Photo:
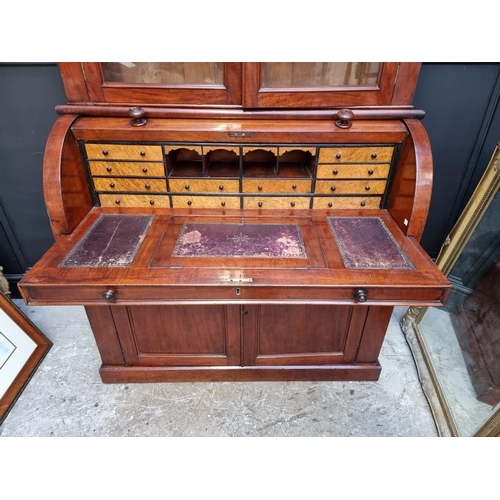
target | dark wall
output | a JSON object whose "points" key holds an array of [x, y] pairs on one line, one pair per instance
{"points": [[28, 95], [462, 119], [463, 123]]}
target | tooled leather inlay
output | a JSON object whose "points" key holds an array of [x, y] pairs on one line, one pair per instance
{"points": [[366, 243], [240, 240], [112, 241]]}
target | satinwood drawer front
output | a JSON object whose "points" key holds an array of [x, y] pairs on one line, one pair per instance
{"points": [[346, 202], [123, 152], [276, 186], [350, 187], [204, 186], [375, 154], [127, 169], [353, 171], [125, 184], [133, 200], [275, 202], [206, 201]]}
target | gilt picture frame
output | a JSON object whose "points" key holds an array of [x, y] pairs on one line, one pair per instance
{"points": [[22, 348], [411, 323]]}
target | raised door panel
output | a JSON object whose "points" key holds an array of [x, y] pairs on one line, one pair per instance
{"points": [[182, 335], [301, 334]]}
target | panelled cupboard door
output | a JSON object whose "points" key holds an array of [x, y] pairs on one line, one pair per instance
{"points": [[320, 85], [301, 334], [158, 83], [173, 336]]}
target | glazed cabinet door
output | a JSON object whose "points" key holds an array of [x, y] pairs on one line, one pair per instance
{"points": [[301, 334], [322, 85], [158, 83], [182, 335]]}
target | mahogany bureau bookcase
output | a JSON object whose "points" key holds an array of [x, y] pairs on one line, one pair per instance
{"points": [[237, 221]]}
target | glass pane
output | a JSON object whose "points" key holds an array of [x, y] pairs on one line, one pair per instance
{"points": [[312, 74], [164, 73]]}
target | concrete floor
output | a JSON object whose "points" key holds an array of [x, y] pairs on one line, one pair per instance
{"points": [[67, 398]]}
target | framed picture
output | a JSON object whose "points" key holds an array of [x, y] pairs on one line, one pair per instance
{"points": [[22, 348]]}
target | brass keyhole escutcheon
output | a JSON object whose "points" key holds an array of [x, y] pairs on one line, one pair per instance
{"points": [[238, 291]]}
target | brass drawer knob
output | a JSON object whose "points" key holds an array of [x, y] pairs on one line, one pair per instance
{"points": [[147, 186], [109, 169], [145, 169], [367, 188], [112, 185], [360, 295], [223, 203], [374, 155], [143, 153], [260, 203], [259, 187], [338, 156], [330, 205], [363, 203], [186, 186], [370, 172], [221, 187], [333, 188], [109, 295], [292, 203], [117, 201], [294, 186], [190, 202], [151, 202], [105, 152], [335, 171]]}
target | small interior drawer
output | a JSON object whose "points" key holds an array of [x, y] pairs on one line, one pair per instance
{"points": [[206, 201], [123, 152], [275, 202], [350, 187], [133, 200], [346, 202], [365, 171], [126, 184], [204, 186], [127, 169], [372, 154], [276, 186]]}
